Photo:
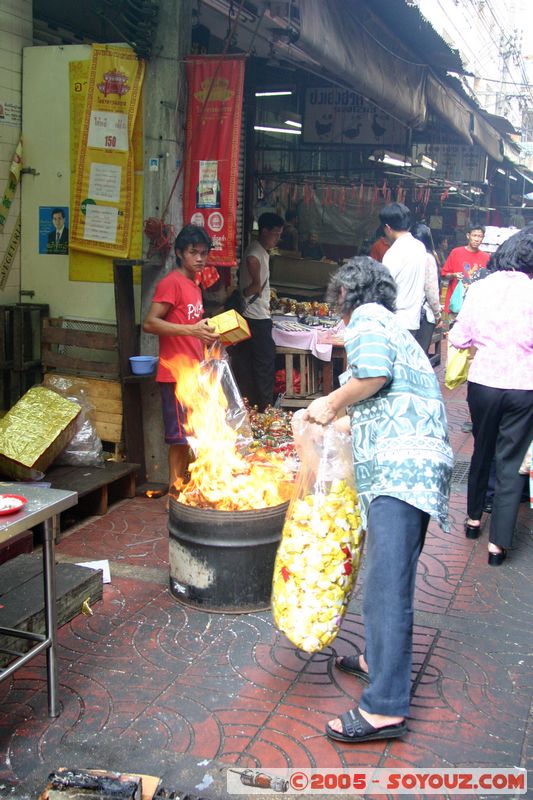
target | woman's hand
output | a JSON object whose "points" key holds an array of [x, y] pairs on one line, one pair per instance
{"points": [[342, 424], [320, 411]]}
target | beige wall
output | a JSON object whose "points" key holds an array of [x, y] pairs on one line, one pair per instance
{"points": [[46, 132], [15, 33]]}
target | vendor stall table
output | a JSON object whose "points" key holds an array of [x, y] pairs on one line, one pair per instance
{"points": [[312, 354], [43, 505]]}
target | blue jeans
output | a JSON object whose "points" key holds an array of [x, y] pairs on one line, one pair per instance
{"points": [[395, 537]]}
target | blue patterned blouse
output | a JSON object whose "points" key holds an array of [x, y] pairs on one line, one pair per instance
{"points": [[400, 435]]}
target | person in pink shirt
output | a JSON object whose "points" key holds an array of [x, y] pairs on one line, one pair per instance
{"points": [[497, 319]]}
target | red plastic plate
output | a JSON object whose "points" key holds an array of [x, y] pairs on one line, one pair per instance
{"points": [[11, 503]]}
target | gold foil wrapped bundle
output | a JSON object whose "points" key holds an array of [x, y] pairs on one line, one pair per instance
{"points": [[34, 431], [316, 566]]}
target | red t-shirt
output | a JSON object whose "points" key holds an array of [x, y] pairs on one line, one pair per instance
{"points": [[462, 260], [379, 248], [186, 308]]}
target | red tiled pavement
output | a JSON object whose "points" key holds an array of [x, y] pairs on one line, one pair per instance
{"points": [[150, 685]]}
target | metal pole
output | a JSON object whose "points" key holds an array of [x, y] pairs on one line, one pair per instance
{"points": [[50, 613]]}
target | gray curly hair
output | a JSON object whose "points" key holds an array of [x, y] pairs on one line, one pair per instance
{"points": [[361, 280]]}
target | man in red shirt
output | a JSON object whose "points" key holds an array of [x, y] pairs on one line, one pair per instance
{"points": [[464, 262], [176, 317]]}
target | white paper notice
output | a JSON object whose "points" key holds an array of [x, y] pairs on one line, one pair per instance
{"points": [[10, 113], [103, 565], [108, 131], [101, 223], [104, 182]]}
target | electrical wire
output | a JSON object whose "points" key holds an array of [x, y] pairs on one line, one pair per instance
{"points": [[523, 89]]}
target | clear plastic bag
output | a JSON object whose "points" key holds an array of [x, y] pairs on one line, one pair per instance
{"points": [[318, 558], [217, 365], [85, 448]]}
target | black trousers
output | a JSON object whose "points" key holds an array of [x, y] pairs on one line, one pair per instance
{"points": [[502, 426], [425, 333], [254, 364]]}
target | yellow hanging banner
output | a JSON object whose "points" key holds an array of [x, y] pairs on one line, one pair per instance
{"points": [[12, 180], [90, 266], [9, 255], [102, 205]]}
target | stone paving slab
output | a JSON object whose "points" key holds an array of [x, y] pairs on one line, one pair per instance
{"points": [[151, 685]]}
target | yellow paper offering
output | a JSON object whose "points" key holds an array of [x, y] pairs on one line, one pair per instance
{"points": [[231, 326]]}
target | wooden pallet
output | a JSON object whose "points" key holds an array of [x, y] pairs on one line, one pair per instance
{"points": [[22, 601], [106, 398], [303, 362], [96, 486]]}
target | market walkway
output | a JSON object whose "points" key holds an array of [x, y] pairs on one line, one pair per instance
{"points": [[148, 685]]}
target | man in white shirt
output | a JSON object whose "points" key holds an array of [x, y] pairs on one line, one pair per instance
{"points": [[254, 361], [406, 261]]}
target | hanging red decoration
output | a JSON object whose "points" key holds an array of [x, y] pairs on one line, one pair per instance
{"points": [[160, 234], [342, 199]]}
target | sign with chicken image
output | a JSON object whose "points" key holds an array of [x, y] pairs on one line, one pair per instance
{"points": [[338, 116]]}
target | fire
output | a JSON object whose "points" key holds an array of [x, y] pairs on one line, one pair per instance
{"points": [[220, 476]]}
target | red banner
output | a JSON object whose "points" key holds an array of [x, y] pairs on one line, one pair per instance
{"points": [[214, 110]]}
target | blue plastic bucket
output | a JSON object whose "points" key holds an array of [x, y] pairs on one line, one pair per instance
{"points": [[142, 365]]}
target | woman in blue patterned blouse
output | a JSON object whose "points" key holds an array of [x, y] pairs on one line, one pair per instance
{"points": [[403, 464]]}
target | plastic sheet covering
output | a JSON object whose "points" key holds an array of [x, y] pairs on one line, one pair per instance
{"points": [[34, 432], [331, 34], [85, 448], [318, 558], [217, 367]]}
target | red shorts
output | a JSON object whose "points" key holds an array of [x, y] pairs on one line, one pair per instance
{"points": [[174, 415]]}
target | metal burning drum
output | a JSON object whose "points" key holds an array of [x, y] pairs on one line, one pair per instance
{"points": [[223, 560]]}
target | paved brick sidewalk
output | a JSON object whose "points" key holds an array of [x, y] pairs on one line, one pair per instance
{"points": [[148, 685]]}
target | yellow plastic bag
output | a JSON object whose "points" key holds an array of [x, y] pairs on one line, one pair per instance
{"points": [[457, 367]]}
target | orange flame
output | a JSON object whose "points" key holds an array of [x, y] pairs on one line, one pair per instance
{"points": [[220, 476]]}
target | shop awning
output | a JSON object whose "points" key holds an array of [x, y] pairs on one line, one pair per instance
{"points": [[332, 36], [511, 151], [450, 106], [487, 137]]}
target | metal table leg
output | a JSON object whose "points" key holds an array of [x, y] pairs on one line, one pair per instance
{"points": [[50, 613]]}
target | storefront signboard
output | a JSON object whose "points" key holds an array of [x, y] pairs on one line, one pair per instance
{"points": [[461, 163], [338, 116]]}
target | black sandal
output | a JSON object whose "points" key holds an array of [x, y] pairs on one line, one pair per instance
{"points": [[350, 665], [497, 559], [472, 531], [356, 729]]}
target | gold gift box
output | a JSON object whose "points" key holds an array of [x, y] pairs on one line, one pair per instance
{"points": [[231, 326], [34, 431]]}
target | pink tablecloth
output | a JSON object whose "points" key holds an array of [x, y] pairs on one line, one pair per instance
{"points": [[305, 340]]}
